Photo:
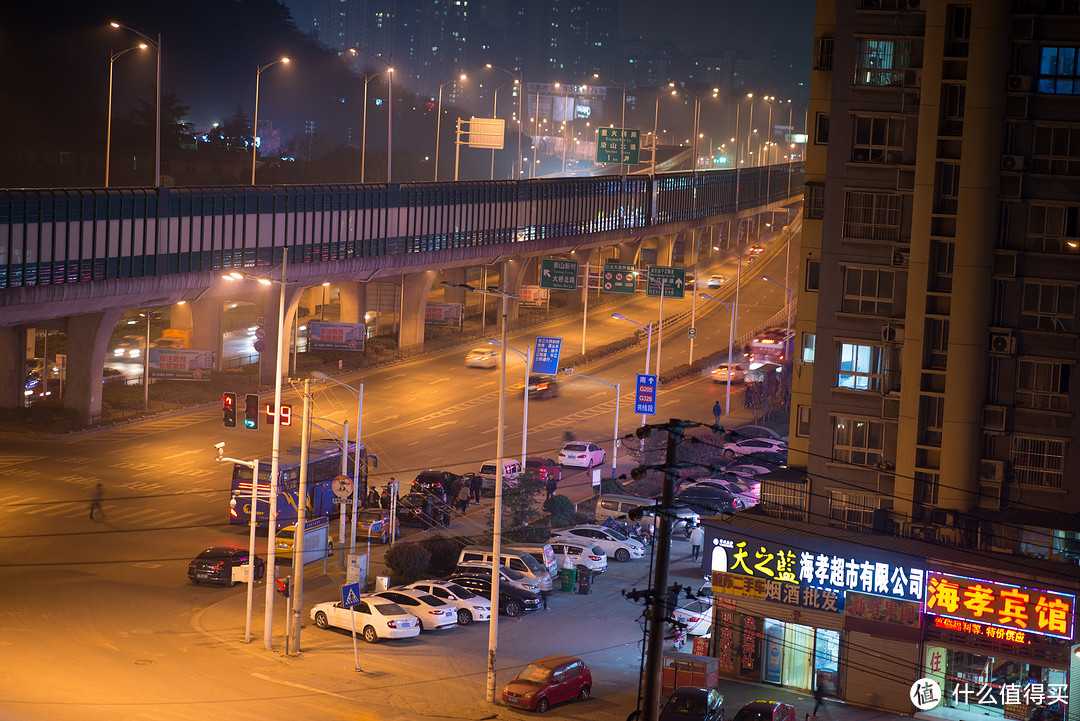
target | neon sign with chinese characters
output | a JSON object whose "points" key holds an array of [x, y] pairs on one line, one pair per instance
{"points": [[1001, 605], [774, 561]]}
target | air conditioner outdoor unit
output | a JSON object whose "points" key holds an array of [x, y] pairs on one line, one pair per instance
{"points": [[1012, 162], [991, 496], [892, 334], [900, 258], [913, 78], [994, 417], [1019, 83], [991, 471], [1002, 342]]}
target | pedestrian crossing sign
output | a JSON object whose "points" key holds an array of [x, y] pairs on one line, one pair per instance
{"points": [[350, 595]]}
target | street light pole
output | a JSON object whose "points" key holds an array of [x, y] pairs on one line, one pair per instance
{"points": [[622, 121], [615, 435], [521, 90], [389, 111], [359, 393], [648, 349], [438, 122], [525, 423], [254, 466], [255, 122], [730, 344], [738, 280], [157, 99], [790, 298], [108, 129]]}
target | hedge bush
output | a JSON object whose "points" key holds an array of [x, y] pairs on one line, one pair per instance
{"points": [[443, 554], [407, 562]]}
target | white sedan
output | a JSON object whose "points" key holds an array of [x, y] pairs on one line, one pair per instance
{"points": [[581, 554], [434, 614], [470, 606], [616, 545], [375, 618], [583, 454], [481, 358], [697, 615], [749, 445], [729, 373]]}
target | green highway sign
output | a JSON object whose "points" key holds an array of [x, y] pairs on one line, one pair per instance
{"points": [[618, 278], [670, 280], [558, 274], [617, 145]]}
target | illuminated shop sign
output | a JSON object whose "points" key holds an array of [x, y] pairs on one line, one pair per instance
{"points": [[883, 610], [1002, 605], [767, 590], [978, 629], [824, 569]]}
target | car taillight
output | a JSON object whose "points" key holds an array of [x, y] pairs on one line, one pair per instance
{"points": [[391, 624], [694, 619], [595, 558]]}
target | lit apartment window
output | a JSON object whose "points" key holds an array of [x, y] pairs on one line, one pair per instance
{"points": [[1056, 150], [1048, 306], [1058, 71], [808, 342], [858, 441], [881, 62], [1042, 384], [852, 510], [871, 216], [1053, 228], [877, 139], [1037, 461], [868, 291], [862, 367]]}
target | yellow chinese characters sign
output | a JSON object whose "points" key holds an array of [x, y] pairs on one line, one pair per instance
{"points": [[1016, 608]]}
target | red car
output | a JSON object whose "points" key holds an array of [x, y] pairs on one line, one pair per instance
{"points": [[549, 680], [762, 710], [544, 468]]}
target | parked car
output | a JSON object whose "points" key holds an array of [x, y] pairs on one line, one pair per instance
{"points": [[373, 617], [410, 507], [512, 601], [374, 524], [470, 606], [743, 487], [482, 358], [616, 545], [542, 386], [437, 482], [521, 561], [749, 445], [715, 281], [542, 552], [216, 563], [729, 373], [543, 468], [762, 710], [434, 614], [696, 614], [708, 501], [773, 459], [693, 703], [511, 471], [582, 554], [583, 454], [684, 516], [549, 680], [507, 575], [754, 431]]}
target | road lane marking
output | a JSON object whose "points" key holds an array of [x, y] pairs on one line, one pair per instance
{"points": [[264, 677]]}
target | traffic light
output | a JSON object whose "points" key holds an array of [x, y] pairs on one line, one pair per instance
{"points": [[228, 410], [283, 586], [251, 412]]}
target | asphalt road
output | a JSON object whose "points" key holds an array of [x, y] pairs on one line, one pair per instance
{"points": [[100, 621]]}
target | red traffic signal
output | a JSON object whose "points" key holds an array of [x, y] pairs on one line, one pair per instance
{"points": [[282, 585], [228, 410]]}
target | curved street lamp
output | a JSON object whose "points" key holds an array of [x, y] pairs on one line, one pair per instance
{"points": [[521, 91], [523, 355], [438, 119], [389, 112], [157, 98], [790, 298], [730, 347], [648, 348], [255, 122], [108, 109]]}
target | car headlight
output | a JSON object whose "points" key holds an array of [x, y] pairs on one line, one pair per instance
{"points": [[530, 694]]}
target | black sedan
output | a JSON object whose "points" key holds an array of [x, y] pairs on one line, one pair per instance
{"points": [[708, 500], [410, 510], [543, 386], [437, 482], [215, 565], [512, 601], [693, 703]]}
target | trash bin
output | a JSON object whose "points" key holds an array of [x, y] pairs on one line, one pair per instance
{"points": [[584, 581], [382, 583], [568, 577]]}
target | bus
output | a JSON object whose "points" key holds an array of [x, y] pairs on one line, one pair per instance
{"points": [[769, 346], [324, 464]]}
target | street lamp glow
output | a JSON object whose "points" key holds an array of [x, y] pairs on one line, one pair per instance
{"points": [[157, 97], [255, 123]]}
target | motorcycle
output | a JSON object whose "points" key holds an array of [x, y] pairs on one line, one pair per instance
{"points": [[679, 637]]}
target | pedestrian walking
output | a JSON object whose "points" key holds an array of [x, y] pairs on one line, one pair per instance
{"points": [[95, 501], [717, 411], [552, 486], [476, 484], [427, 513], [544, 593], [464, 494], [697, 537], [372, 499], [819, 699]]}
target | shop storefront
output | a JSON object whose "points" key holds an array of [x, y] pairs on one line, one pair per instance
{"points": [[808, 614], [996, 649]]}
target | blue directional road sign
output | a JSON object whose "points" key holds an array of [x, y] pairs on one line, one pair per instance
{"points": [[546, 355], [350, 595], [645, 397]]}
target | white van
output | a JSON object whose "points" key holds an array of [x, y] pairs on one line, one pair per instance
{"points": [[542, 552], [520, 561], [618, 506], [511, 471]]}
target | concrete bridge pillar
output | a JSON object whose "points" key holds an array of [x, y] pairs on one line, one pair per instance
{"points": [[353, 298], [692, 242], [88, 338], [665, 248], [628, 251], [12, 353], [518, 270], [206, 322], [415, 293], [454, 295]]}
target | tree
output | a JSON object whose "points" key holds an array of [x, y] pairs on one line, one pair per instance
{"points": [[174, 125], [236, 130]]}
